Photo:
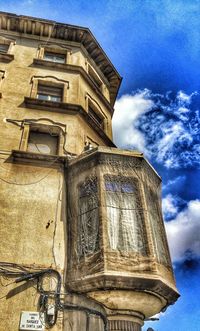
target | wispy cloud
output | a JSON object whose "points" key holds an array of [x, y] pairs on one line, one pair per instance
{"points": [[183, 232], [164, 127], [172, 182]]}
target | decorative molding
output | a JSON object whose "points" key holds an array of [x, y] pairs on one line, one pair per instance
{"points": [[117, 325], [44, 160], [67, 108], [75, 69], [12, 23]]}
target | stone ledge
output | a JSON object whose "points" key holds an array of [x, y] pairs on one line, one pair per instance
{"points": [[108, 282], [4, 57], [45, 160], [67, 108]]}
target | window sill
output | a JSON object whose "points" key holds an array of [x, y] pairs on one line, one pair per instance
{"points": [[59, 107], [4, 57], [45, 160], [50, 64]]}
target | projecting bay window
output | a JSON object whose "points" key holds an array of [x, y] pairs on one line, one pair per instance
{"points": [[124, 215], [88, 218], [54, 57], [49, 93]]}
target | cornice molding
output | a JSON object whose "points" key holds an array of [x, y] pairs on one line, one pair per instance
{"points": [[26, 25]]}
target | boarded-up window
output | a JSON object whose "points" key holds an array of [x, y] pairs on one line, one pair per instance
{"points": [[44, 143], [126, 229]]}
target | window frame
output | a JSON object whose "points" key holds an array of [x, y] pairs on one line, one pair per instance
{"points": [[41, 128], [95, 77], [53, 56], [92, 211], [6, 56], [124, 213], [57, 50], [96, 116], [50, 81], [39, 151], [49, 92], [96, 109]]}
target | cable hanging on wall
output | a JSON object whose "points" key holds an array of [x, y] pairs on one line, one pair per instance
{"points": [[23, 273]]}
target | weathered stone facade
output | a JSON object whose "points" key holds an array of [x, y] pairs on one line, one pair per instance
{"points": [[58, 200]]}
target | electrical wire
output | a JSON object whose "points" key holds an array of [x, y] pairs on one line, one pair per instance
{"points": [[24, 273], [34, 182]]}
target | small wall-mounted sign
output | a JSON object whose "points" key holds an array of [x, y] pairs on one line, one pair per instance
{"points": [[32, 320]]}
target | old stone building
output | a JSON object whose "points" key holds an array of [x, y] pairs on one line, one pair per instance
{"points": [[83, 245]]}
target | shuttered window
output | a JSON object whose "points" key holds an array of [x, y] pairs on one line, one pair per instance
{"points": [[50, 93]]}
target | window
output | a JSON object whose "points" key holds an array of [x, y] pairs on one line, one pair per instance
{"points": [[4, 48], [124, 213], [157, 227], [54, 57], [95, 78], [88, 242], [97, 118], [42, 142], [49, 93]]}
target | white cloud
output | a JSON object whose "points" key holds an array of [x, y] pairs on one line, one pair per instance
{"points": [[163, 127], [184, 232], [127, 110], [173, 133], [169, 206], [183, 97]]}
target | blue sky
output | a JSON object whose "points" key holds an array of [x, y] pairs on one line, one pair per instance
{"points": [[155, 46]]}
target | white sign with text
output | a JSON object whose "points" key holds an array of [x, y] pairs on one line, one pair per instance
{"points": [[32, 320]]}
